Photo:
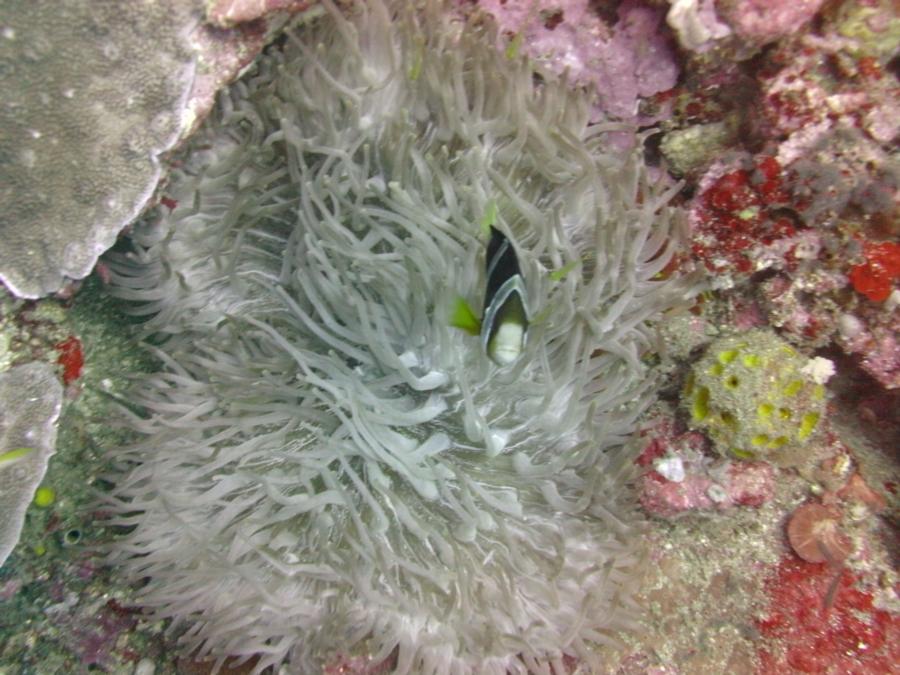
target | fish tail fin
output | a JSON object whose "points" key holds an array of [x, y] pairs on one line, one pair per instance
{"points": [[462, 316]]}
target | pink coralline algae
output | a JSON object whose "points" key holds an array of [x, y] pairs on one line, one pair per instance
{"points": [[763, 21], [680, 477], [857, 490], [875, 342], [722, 485], [800, 302], [745, 313], [817, 84], [92, 633], [622, 63], [228, 13], [831, 284]]}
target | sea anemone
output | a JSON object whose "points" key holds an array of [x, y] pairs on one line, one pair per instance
{"points": [[327, 464]]}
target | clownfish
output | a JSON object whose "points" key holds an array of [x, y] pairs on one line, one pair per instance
{"points": [[504, 324]]}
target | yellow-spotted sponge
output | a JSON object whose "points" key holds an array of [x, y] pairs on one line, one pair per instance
{"points": [[755, 396]]}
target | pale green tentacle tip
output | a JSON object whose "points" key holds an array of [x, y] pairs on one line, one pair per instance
{"points": [[14, 455], [512, 49], [562, 272], [489, 219]]}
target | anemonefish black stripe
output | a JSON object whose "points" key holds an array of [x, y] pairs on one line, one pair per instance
{"points": [[504, 325], [501, 262]]}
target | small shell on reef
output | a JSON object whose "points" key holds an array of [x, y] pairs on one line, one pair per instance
{"points": [[815, 534]]}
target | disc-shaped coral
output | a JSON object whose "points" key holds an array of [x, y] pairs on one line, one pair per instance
{"points": [[328, 465]]}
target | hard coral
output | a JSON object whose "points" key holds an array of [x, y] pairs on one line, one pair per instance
{"points": [[872, 335], [92, 94], [92, 631], [30, 401], [328, 465]]}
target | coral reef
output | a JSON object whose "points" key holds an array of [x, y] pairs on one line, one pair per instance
{"points": [[328, 465], [780, 120], [802, 227], [30, 401]]}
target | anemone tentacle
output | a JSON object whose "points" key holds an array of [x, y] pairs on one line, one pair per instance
{"points": [[327, 464]]}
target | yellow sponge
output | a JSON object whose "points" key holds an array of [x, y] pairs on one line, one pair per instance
{"points": [[752, 396]]}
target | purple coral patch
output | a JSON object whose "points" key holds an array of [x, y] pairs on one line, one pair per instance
{"points": [[623, 62]]}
